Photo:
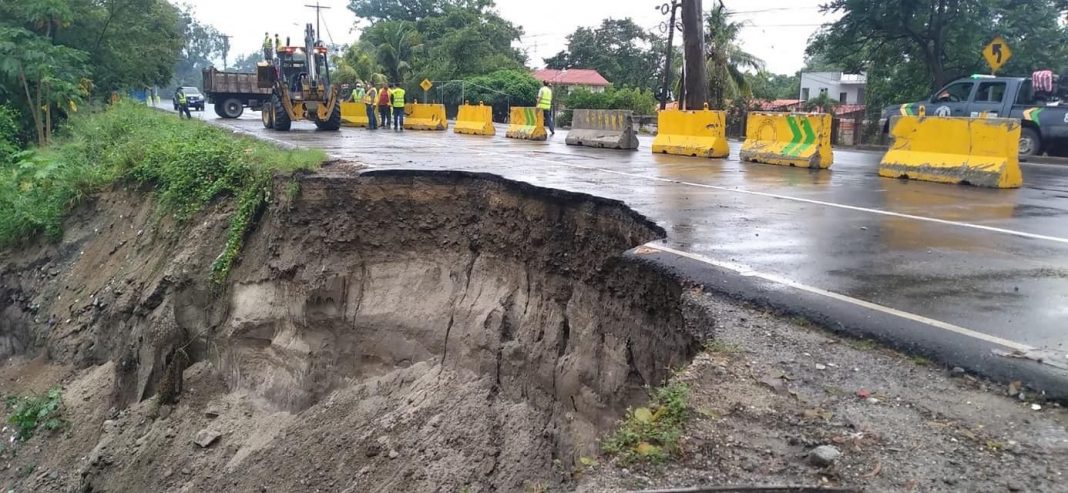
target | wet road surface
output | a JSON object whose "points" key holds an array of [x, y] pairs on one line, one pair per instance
{"points": [[990, 261]]}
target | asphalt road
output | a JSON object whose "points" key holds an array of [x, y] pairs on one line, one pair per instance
{"points": [[986, 264]]}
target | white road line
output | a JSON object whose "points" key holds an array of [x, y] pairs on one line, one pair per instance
{"points": [[745, 271]]}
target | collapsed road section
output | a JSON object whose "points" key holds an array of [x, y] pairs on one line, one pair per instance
{"points": [[490, 330]]}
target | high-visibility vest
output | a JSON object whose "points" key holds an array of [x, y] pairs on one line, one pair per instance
{"points": [[357, 94], [181, 98], [383, 97], [266, 42], [369, 96], [277, 43], [545, 98], [398, 98]]}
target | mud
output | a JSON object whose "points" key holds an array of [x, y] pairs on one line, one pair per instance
{"points": [[394, 331]]}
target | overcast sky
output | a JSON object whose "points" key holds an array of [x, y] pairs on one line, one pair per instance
{"points": [[777, 30]]}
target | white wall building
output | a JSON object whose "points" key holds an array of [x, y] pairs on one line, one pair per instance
{"points": [[844, 88]]}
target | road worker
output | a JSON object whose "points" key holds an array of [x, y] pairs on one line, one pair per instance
{"points": [[384, 104], [277, 43], [397, 95], [183, 104], [545, 104], [368, 100], [268, 50]]}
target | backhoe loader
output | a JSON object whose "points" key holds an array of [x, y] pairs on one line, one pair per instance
{"points": [[299, 79]]}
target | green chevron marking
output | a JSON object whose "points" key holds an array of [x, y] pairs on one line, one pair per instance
{"points": [[795, 135]]}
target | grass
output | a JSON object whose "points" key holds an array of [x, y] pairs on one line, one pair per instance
{"points": [[651, 434], [714, 346], [31, 413], [187, 163]]}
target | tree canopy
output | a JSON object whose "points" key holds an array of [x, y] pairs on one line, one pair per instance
{"points": [[909, 49], [619, 49], [56, 53], [408, 41]]}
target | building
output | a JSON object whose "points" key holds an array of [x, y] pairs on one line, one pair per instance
{"points": [[844, 88], [568, 79]]}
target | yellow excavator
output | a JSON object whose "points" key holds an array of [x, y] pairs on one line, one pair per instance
{"points": [[299, 79]]}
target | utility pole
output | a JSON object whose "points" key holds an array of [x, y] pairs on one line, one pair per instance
{"points": [[665, 9], [317, 7], [693, 42], [225, 48]]}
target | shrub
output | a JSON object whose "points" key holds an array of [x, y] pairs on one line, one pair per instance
{"points": [[188, 163], [30, 413], [634, 99], [651, 434]]}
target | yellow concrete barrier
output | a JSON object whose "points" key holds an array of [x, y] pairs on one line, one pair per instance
{"points": [[699, 133], [526, 123], [975, 151], [474, 120], [789, 139], [354, 115], [418, 116]]}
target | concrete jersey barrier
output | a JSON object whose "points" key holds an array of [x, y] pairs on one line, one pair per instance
{"points": [[790, 139], [698, 133], [976, 151], [474, 120], [354, 115], [419, 116], [612, 129], [526, 123]]}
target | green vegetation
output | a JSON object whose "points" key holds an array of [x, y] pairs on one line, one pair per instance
{"points": [[639, 101], [651, 434], [189, 164], [619, 49], [721, 347], [30, 413], [55, 55], [411, 40], [725, 59], [911, 49]]}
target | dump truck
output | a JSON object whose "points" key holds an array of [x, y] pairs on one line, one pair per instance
{"points": [[299, 81], [1043, 117], [232, 92]]}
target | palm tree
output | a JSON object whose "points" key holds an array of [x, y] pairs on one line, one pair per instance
{"points": [[725, 61], [395, 42]]}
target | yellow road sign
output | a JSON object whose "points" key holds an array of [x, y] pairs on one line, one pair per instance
{"points": [[997, 53], [426, 84]]}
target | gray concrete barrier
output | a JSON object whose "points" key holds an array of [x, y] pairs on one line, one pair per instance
{"points": [[612, 129]]}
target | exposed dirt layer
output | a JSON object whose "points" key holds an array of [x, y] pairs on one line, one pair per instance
{"points": [[396, 331]]}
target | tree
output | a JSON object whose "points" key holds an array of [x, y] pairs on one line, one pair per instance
{"points": [[726, 60], [439, 40], [247, 63], [394, 43], [48, 74], [939, 39], [618, 49], [203, 43], [768, 86], [412, 10], [465, 41]]}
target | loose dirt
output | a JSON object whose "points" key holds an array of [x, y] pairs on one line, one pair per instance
{"points": [[398, 331]]}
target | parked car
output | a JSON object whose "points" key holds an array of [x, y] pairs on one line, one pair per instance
{"points": [[192, 96]]}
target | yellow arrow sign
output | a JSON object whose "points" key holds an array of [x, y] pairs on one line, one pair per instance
{"points": [[426, 84], [997, 53]]}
